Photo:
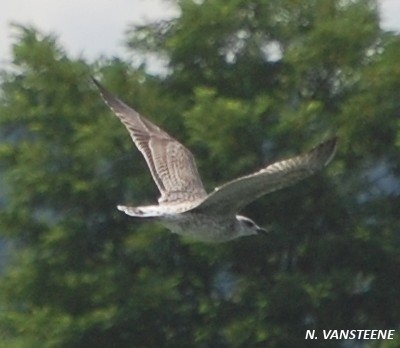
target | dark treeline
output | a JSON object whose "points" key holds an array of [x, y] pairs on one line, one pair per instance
{"points": [[247, 83]]}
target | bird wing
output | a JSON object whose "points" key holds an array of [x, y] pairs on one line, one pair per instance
{"points": [[172, 166], [236, 194]]}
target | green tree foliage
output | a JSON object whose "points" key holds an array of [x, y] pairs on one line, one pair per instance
{"points": [[248, 82]]}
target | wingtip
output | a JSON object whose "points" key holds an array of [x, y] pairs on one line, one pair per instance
{"points": [[98, 85], [333, 145], [110, 99], [94, 81], [327, 149]]}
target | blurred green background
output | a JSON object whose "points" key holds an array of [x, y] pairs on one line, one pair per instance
{"points": [[247, 83]]}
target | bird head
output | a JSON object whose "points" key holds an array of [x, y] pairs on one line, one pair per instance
{"points": [[246, 226]]}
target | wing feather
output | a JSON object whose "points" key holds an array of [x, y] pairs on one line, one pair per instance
{"points": [[236, 194], [171, 165]]}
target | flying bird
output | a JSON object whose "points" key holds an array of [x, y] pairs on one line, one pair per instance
{"points": [[184, 206]]}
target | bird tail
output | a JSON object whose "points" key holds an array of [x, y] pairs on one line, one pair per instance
{"points": [[142, 212]]}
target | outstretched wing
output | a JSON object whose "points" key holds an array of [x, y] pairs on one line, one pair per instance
{"points": [[234, 195], [172, 166]]}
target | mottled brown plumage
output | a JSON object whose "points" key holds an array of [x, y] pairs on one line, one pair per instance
{"points": [[184, 206]]}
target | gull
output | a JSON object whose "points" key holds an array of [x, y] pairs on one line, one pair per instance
{"points": [[185, 207]]}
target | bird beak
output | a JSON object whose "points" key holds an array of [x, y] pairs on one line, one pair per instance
{"points": [[262, 231]]}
